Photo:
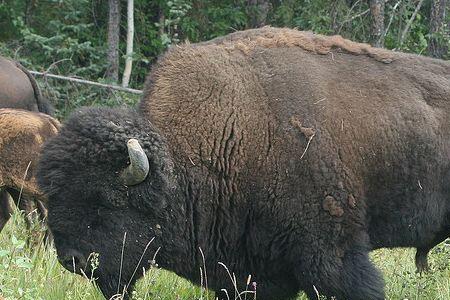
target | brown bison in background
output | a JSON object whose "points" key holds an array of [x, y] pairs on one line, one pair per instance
{"points": [[22, 134], [282, 154], [18, 88]]}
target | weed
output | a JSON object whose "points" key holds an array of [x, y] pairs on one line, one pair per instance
{"points": [[32, 272]]}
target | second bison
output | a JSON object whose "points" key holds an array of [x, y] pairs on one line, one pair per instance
{"points": [[22, 134], [279, 153], [19, 89]]}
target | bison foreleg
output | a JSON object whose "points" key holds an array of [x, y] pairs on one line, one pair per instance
{"points": [[422, 260], [5, 208], [30, 212], [42, 213], [352, 278], [25, 205]]}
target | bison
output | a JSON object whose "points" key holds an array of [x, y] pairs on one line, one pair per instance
{"points": [[22, 134], [18, 88], [282, 154]]}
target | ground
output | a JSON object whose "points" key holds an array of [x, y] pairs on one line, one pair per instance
{"points": [[34, 273]]}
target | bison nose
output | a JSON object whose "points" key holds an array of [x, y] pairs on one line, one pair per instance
{"points": [[73, 261]]}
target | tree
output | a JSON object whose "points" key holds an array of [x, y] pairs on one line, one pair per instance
{"points": [[130, 35], [377, 22], [334, 13], [410, 22], [257, 11], [112, 71], [436, 46], [161, 21]]}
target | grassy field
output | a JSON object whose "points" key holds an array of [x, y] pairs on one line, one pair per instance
{"points": [[34, 273]]}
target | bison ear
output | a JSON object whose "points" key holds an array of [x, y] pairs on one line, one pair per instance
{"points": [[138, 169]]}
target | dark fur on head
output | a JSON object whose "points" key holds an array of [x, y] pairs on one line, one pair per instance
{"points": [[80, 173]]}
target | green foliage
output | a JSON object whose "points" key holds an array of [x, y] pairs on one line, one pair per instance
{"points": [[177, 9], [31, 271], [11, 19], [67, 96], [210, 19], [55, 31], [305, 15], [417, 39], [69, 36], [404, 283]]}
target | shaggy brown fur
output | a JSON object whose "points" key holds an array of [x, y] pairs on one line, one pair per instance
{"points": [[18, 88], [22, 134], [281, 154], [267, 37], [381, 128]]}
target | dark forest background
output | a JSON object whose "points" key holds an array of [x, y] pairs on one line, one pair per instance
{"points": [[88, 38]]}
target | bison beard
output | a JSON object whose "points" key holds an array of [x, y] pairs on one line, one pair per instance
{"points": [[282, 154], [110, 287]]}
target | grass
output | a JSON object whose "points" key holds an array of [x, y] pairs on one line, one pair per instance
{"points": [[34, 273]]}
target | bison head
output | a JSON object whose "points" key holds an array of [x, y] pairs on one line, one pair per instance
{"points": [[110, 183]]}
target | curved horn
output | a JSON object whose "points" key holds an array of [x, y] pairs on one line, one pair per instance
{"points": [[138, 169]]}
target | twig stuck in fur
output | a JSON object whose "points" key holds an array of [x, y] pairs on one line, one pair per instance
{"points": [[307, 145]]}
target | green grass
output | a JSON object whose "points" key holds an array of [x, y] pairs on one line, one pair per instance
{"points": [[34, 273]]}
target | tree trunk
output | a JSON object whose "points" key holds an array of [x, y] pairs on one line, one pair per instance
{"points": [[161, 22], [334, 12], [377, 23], [257, 11], [30, 6], [130, 35], [112, 71], [410, 21], [436, 45]]}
